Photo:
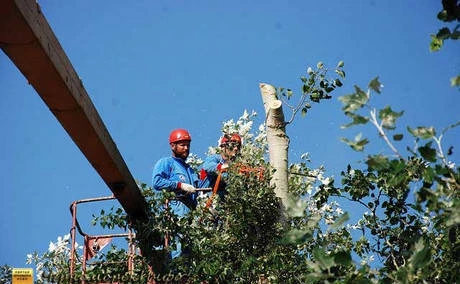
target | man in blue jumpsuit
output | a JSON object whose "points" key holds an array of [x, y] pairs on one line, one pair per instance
{"points": [[229, 147], [174, 174]]}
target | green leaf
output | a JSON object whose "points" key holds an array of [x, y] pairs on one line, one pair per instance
{"points": [[358, 144], [315, 96], [402, 275], [313, 277], [443, 16], [304, 111], [375, 85], [455, 35], [320, 65], [296, 208], [357, 119], [455, 81], [427, 152], [355, 101], [453, 219], [428, 175], [377, 162], [421, 256], [443, 33], [435, 44], [325, 261], [342, 258], [340, 64], [422, 132], [341, 73], [340, 221], [296, 236], [398, 137], [388, 117], [322, 84]]}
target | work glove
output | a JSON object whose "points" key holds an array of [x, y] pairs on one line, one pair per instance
{"points": [[188, 188], [222, 167]]}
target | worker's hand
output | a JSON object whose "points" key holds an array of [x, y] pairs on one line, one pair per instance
{"points": [[223, 167], [188, 188]]}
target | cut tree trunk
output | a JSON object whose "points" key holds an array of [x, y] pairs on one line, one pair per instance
{"points": [[278, 141]]}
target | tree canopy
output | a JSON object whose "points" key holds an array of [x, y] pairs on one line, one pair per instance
{"points": [[408, 231]]}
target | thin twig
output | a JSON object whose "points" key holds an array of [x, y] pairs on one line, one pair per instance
{"points": [[382, 132]]}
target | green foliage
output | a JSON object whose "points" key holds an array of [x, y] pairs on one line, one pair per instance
{"points": [[455, 81], [407, 228], [6, 274], [229, 242], [115, 218], [409, 223], [450, 13], [357, 144], [316, 87], [411, 237]]}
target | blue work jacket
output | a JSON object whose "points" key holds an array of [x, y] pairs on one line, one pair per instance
{"points": [[209, 173], [168, 172]]}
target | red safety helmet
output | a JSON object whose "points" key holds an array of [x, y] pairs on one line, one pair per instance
{"points": [[179, 135], [234, 138]]}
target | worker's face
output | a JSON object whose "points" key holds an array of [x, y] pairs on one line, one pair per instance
{"points": [[181, 149], [231, 150]]}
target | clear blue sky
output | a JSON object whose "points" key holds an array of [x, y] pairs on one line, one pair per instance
{"points": [[151, 66]]}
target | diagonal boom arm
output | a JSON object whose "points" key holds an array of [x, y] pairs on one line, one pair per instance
{"points": [[28, 40]]}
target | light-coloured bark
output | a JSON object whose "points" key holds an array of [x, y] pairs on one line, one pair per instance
{"points": [[278, 141]]}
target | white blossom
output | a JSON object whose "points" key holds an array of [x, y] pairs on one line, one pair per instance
{"points": [[305, 156], [329, 220], [367, 260], [52, 247], [228, 124], [327, 181], [339, 211], [245, 115], [245, 128], [262, 127], [353, 227], [29, 258]]}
